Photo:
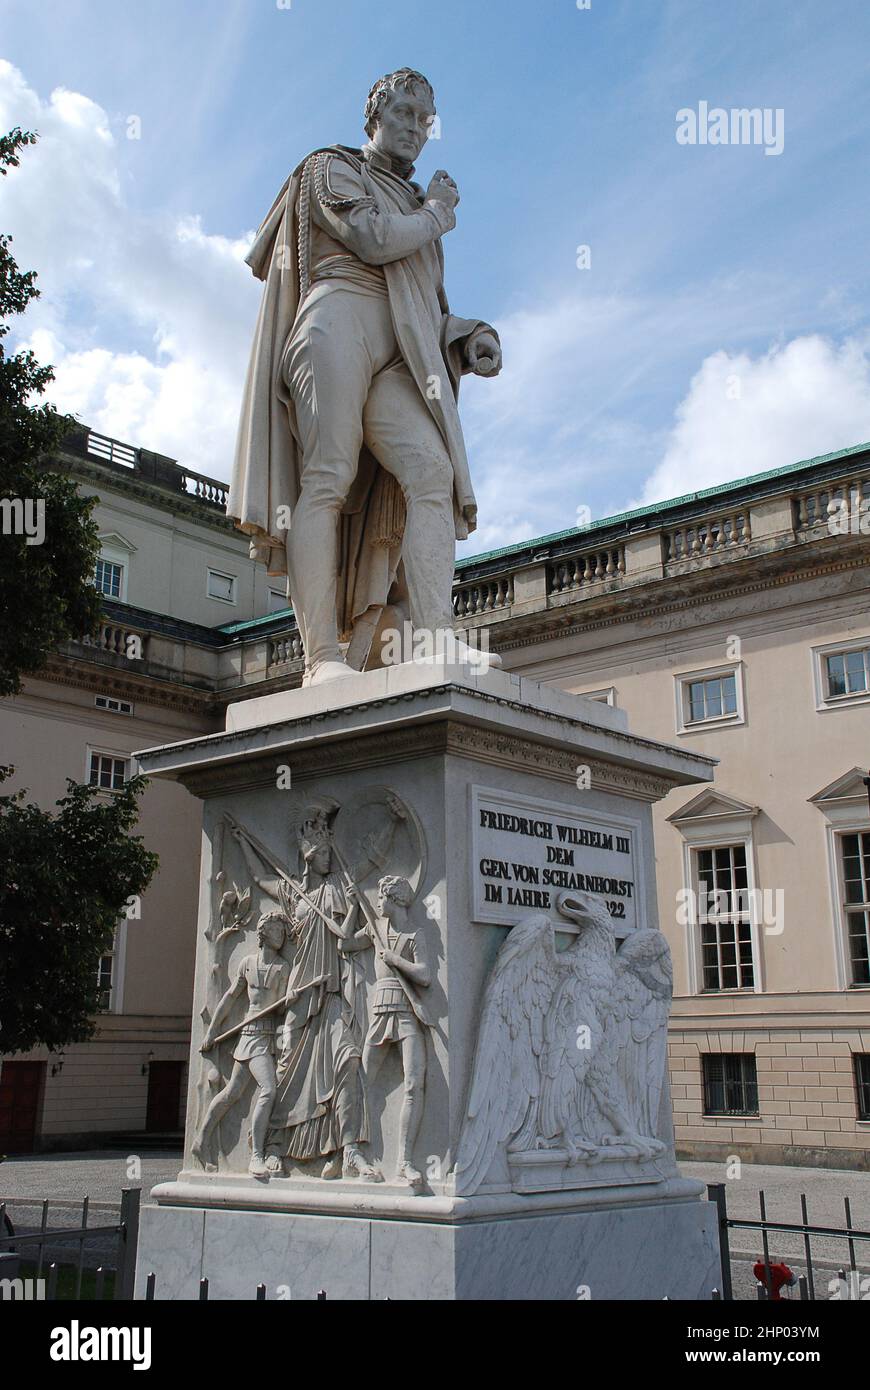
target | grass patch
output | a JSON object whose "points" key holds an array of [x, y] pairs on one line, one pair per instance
{"points": [[66, 1281]]}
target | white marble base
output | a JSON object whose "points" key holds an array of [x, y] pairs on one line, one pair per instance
{"points": [[651, 1251], [452, 748]]}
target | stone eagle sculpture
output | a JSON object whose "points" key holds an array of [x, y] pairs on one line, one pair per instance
{"points": [[572, 1047]]}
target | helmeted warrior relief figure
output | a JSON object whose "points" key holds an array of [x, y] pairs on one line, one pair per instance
{"points": [[398, 1013], [319, 1107], [572, 1048], [263, 979], [350, 474]]}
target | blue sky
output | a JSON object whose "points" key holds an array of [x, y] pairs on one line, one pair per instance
{"points": [[721, 327]]}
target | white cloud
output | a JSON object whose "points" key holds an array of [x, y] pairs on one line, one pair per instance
{"points": [[147, 320], [575, 417], [744, 415]]}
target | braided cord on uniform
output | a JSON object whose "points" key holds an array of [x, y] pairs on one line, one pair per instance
{"points": [[304, 235], [325, 196]]}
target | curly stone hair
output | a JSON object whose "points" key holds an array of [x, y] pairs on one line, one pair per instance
{"points": [[399, 889], [405, 79], [274, 919]]}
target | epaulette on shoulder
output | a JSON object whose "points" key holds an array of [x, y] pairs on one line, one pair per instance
{"points": [[323, 190]]}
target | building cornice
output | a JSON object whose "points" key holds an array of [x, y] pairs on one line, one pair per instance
{"points": [[104, 679], [546, 623]]}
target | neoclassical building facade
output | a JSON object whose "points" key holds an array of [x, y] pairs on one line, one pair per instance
{"points": [[733, 622]]}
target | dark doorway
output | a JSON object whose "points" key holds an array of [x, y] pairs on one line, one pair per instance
{"points": [[21, 1085], [164, 1097]]}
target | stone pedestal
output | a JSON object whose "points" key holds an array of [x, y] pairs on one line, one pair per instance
{"points": [[493, 797]]}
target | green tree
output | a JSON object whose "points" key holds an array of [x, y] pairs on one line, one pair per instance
{"points": [[65, 876], [67, 879], [46, 589]]}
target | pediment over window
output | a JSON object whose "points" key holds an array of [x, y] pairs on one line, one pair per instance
{"points": [[113, 540], [712, 805], [848, 788]]}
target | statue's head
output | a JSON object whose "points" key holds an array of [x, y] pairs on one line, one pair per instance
{"points": [[399, 113], [394, 892], [314, 840], [271, 930]]}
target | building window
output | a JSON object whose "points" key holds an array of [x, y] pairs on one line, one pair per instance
{"points": [[842, 674], [724, 920], [109, 578], [730, 1083], [707, 699], [602, 697], [108, 702], [855, 852], [104, 980], [221, 586], [107, 771], [862, 1084], [278, 601], [106, 976], [847, 673]]}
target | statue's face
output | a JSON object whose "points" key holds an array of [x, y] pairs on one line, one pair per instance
{"points": [[270, 934], [403, 127], [322, 859]]}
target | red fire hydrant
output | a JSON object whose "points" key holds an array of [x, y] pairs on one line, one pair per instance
{"points": [[780, 1276]]}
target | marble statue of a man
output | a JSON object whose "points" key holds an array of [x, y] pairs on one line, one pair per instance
{"points": [[350, 473]]}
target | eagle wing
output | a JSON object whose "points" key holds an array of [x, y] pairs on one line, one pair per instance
{"points": [[506, 1081]]}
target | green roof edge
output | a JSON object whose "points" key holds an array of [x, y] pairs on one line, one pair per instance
{"points": [[248, 623], [654, 507]]}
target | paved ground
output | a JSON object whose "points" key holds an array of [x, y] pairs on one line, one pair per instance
{"points": [[96, 1173], [65, 1179], [100, 1175]]}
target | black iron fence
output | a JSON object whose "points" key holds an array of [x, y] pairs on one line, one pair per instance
{"points": [[259, 1293], [774, 1274], [27, 1273]]}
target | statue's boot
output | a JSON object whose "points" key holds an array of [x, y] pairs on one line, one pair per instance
{"points": [[408, 1176], [475, 657], [327, 671], [203, 1155], [355, 1165]]}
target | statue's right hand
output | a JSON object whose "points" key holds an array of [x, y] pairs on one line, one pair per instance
{"points": [[443, 189]]}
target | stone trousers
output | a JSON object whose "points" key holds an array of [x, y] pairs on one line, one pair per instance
{"points": [[351, 386]]}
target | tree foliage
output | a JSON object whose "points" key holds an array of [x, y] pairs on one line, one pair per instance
{"points": [[46, 589], [67, 877]]}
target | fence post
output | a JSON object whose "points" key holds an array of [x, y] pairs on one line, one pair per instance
{"points": [[128, 1242], [716, 1193]]}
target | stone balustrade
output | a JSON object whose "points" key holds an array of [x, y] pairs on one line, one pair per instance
{"points": [[205, 489], [707, 536], [483, 596], [816, 506], [287, 646], [588, 569], [120, 640]]}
